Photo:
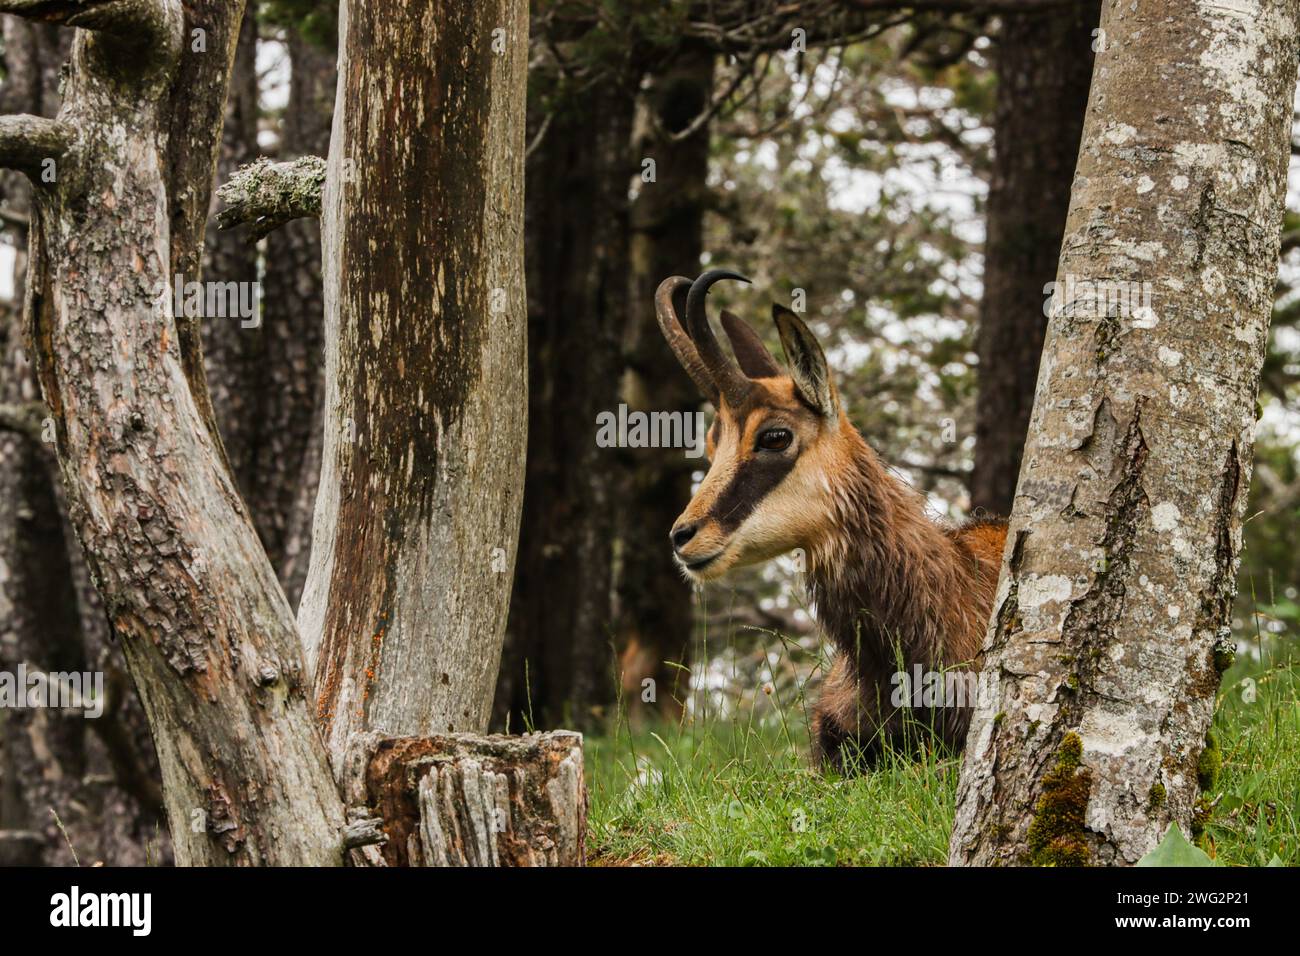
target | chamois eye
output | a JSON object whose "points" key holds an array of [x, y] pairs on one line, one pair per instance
{"points": [[775, 439]]}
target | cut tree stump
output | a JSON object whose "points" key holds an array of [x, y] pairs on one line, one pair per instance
{"points": [[470, 800]]}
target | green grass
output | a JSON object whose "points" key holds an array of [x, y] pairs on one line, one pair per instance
{"points": [[1256, 799], [742, 791]]}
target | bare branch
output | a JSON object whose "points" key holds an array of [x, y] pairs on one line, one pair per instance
{"points": [[15, 220], [26, 142], [146, 20], [266, 195], [363, 828]]}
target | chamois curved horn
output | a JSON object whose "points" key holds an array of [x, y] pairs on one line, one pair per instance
{"points": [[731, 381], [670, 323]]}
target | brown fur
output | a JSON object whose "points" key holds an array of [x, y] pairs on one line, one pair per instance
{"points": [[893, 590]]}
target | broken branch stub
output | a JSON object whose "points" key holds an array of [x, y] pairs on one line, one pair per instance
{"points": [[266, 195], [470, 800]]}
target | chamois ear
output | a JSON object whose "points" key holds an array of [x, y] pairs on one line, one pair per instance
{"points": [[807, 362], [754, 358]]}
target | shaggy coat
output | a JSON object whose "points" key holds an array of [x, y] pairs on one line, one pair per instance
{"points": [[895, 592]]}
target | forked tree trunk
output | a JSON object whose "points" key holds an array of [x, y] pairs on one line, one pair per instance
{"points": [[1110, 626], [207, 633], [422, 472]]}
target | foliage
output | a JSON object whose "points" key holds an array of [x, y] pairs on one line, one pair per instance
{"points": [[1255, 802], [1174, 850]]}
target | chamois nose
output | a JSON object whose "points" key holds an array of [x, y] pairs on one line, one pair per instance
{"points": [[681, 534]]}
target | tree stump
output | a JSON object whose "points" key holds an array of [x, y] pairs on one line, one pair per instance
{"points": [[470, 800]]}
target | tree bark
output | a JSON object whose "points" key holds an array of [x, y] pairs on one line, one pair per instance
{"points": [[235, 366], [422, 470], [41, 755], [102, 785], [193, 114], [207, 633], [559, 665], [1110, 626], [1044, 68], [654, 602]]}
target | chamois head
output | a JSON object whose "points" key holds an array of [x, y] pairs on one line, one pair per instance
{"points": [[775, 446]]}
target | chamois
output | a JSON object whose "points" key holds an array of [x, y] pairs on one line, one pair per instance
{"points": [[891, 588]]}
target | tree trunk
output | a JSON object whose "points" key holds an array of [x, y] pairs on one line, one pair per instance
{"points": [[1110, 626], [559, 666], [654, 611], [102, 785], [1044, 68], [192, 112], [421, 481], [207, 633], [41, 753], [478, 801]]}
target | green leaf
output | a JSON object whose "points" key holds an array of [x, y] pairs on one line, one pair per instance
{"points": [[1174, 850]]}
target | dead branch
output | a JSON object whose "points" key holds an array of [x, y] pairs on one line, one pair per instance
{"points": [[266, 195]]}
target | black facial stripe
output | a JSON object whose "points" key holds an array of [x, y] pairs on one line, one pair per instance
{"points": [[754, 479]]}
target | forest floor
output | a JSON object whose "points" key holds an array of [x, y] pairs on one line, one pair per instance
{"points": [[742, 792]]}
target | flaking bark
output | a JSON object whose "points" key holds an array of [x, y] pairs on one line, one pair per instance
{"points": [[469, 800]]}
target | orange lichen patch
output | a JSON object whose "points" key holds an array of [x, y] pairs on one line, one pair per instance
{"points": [[372, 669]]}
